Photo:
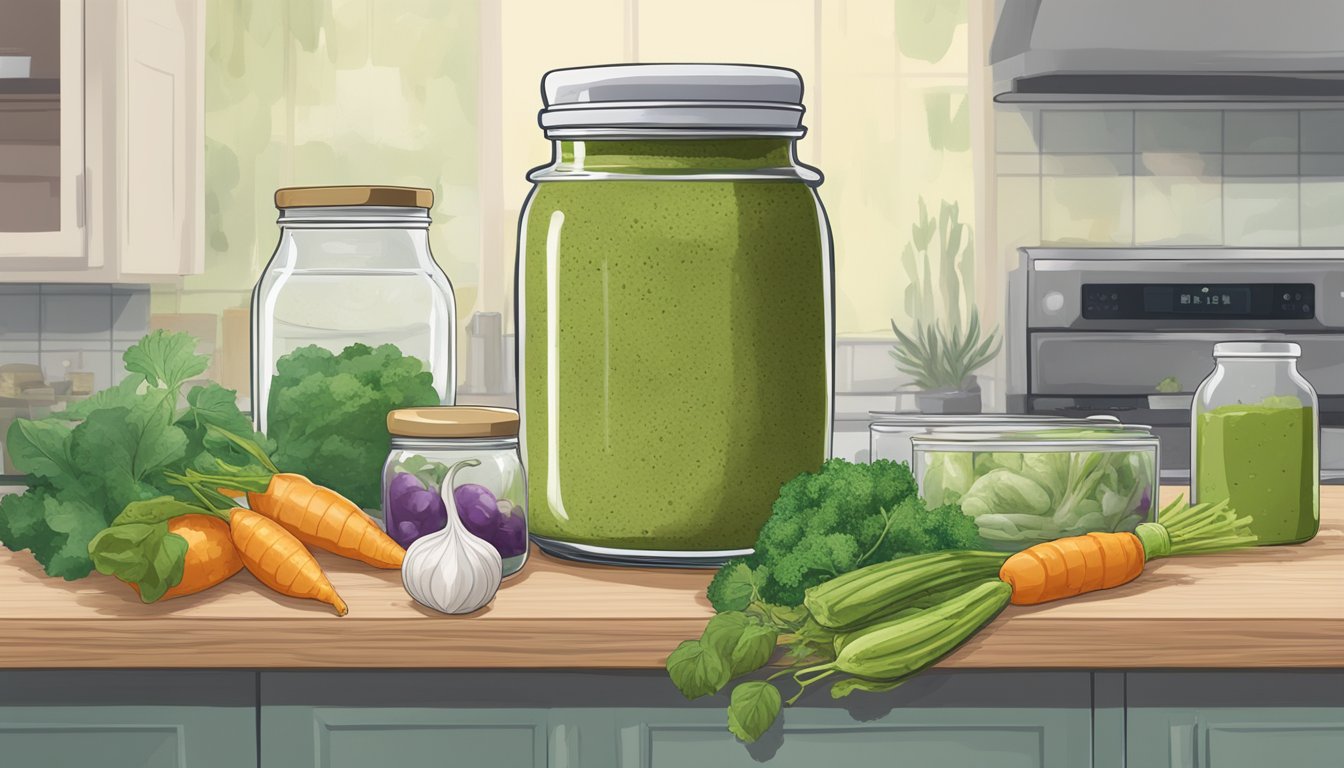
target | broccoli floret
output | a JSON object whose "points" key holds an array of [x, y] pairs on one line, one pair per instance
{"points": [[833, 521]]}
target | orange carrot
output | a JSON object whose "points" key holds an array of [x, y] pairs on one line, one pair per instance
{"points": [[1063, 568], [322, 518], [211, 557], [279, 560]]}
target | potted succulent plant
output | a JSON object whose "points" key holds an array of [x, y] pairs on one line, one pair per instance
{"points": [[945, 343]]}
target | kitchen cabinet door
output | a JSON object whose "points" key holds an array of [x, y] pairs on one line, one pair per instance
{"points": [[41, 133], [939, 720], [128, 719], [411, 720], [1241, 719], [102, 160]]}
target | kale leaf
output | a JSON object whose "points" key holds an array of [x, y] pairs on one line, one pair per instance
{"points": [[831, 522], [87, 463], [328, 414]]}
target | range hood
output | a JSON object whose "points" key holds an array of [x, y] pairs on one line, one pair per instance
{"points": [[1212, 53]]}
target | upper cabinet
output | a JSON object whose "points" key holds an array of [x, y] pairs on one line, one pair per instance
{"points": [[101, 140]]}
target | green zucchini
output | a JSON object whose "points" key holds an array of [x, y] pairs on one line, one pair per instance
{"points": [[872, 593]]}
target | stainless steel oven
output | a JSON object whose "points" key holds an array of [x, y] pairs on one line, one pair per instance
{"points": [[1130, 331]]}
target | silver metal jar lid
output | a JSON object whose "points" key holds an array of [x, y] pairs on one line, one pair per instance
{"points": [[674, 100], [1257, 349]]}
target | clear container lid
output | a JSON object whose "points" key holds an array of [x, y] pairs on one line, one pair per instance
{"points": [[1281, 349], [1067, 437], [886, 421]]}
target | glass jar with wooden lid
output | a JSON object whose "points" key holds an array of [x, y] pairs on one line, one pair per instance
{"points": [[353, 266], [490, 497]]}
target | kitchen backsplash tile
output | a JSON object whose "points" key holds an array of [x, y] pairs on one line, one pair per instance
{"points": [[77, 316], [1260, 213], [1260, 165], [1322, 203], [1322, 130], [19, 318], [1087, 165], [1087, 209], [1177, 210], [1322, 165], [1087, 131], [1017, 164], [130, 314], [1260, 131], [1016, 131], [1241, 177], [1175, 131]]}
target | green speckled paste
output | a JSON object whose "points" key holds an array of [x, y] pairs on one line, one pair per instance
{"points": [[675, 338]]}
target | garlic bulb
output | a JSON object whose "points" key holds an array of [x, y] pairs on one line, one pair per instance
{"points": [[452, 570]]}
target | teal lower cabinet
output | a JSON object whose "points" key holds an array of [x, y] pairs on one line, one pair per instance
{"points": [[128, 719], [637, 720], [1240, 719]]}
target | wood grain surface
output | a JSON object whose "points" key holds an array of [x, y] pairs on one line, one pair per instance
{"points": [[1269, 607]]}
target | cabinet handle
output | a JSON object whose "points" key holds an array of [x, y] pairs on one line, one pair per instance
{"points": [[80, 202]]}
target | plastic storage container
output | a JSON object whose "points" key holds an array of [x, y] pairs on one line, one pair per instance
{"points": [[889, 434], [491, 498], [1256, 440], [674, 289], [1028, 486], [353, 266]]}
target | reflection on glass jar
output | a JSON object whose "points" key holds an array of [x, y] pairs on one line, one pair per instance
{"points": [[491, 498]]}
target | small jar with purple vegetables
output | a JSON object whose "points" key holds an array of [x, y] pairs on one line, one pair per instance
{"points": [[491, 499]]}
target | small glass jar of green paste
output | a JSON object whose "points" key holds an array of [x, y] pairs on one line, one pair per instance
{"points": [[1256, 440], [674, 312]]}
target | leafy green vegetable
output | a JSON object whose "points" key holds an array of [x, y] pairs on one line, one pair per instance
{"points": [[752, 708], [431, 473], [86, 464], [146, 555], [832, 522], [328, 413], [740, 639], [1169, 385], [697, 670], [1019, 499]]}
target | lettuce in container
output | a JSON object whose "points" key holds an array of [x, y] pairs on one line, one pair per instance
{"points": [[1037, 485]]}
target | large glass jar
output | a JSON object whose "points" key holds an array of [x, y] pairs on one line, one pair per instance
{"points": [[674, 301], [1256, 440], [490, 496], [353, 266]]}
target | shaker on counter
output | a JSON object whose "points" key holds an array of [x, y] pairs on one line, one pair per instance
{"points": [[1255, 441], [674, 300]]}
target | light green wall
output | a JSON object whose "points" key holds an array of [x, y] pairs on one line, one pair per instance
{"points": [[306, 92]]}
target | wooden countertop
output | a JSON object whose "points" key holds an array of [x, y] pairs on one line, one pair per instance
{"points": [[1270, 607]]}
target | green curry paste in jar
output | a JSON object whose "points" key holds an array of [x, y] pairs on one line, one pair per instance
{"points": [[674, 312], [1256, 440]]}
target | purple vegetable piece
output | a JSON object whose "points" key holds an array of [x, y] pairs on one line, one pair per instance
{"points": [[511, 537], [422, 508], [402, 484], [478, 509], [405, 532]]}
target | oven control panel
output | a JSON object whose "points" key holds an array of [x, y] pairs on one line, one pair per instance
{"points": [[1174, 301]]}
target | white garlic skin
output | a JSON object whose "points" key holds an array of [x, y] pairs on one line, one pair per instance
{"points": [[452, 570]]}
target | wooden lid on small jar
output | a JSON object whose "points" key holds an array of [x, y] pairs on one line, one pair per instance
{"points": [[326, 197], [453, 421]]}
